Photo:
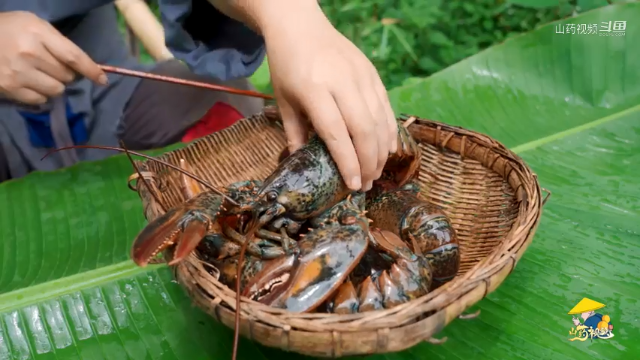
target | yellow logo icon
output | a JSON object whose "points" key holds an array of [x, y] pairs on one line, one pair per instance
{"points": [[594, 325]]}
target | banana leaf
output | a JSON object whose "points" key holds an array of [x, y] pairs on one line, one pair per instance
{"points": [[569, 104]]}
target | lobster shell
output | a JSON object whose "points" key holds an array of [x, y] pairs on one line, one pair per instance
{"points": [[491, 196]]}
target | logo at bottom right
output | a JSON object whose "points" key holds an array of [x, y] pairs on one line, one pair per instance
{"points": [[594, 325]]}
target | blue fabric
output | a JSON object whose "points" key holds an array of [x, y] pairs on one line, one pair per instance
{"points": [[209, 42], [39, 128]]}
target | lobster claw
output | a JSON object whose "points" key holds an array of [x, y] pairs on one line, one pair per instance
{"points": [[326, 258], [184, 226]]}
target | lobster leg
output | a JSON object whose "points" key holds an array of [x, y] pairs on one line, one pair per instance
{"points": [[273, 236], [254, 248], [285, 227], [288, 244], [217, 247], [223, 254], [188, 186]]}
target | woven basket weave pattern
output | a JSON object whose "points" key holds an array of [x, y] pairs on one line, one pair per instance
{"points": [[491, 196]]}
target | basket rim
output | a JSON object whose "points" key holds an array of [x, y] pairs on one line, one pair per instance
{"points": [[451, 299]]}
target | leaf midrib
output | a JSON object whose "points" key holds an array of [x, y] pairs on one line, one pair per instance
{"points": [[53, 289]]}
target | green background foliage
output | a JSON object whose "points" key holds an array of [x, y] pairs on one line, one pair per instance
{"points": [[568, 104], [407, 39]]}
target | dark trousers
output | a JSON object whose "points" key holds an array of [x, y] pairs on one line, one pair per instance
{"points": [[160, 113]]}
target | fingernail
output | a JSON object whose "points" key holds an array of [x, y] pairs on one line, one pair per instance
{"points": [[368, 186], [294, 147], [355, 183], [103, 80]]}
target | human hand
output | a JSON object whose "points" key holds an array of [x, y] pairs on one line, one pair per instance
{"points": [[36, 61], [319, 75], [576, 321]]}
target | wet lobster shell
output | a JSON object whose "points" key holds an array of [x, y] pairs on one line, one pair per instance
{"points": [[492, 197]]}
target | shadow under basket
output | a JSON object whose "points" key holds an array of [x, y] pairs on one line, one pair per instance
{"points": [[492, 198]]}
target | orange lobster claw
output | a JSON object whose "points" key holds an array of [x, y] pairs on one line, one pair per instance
{"points": [[184, 226]]}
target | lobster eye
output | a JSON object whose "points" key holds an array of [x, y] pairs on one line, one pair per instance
{"points": [[272, 196]]}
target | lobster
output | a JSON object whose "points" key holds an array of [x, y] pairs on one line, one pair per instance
{"points": [[305, 186]]}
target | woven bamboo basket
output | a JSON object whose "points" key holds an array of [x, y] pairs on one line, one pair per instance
{"points": [[489, 193]]}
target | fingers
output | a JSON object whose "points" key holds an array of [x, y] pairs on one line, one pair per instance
{"points": [[42, 83], [357, 125], [379, 115], [37, 60], [295, 126], [357, 117], [72, 56], [392, 124], [328, 123], [46, 63], [28, 96]]}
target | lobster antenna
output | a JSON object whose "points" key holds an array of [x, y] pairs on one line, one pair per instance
{"points": [[141, 178], [173, 80], [177, 168], [236, 331]]}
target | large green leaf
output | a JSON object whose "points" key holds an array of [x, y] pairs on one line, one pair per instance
{"points": [[569, 104]]}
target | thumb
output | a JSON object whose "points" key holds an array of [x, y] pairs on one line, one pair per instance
{"points": [[296, 126]]}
